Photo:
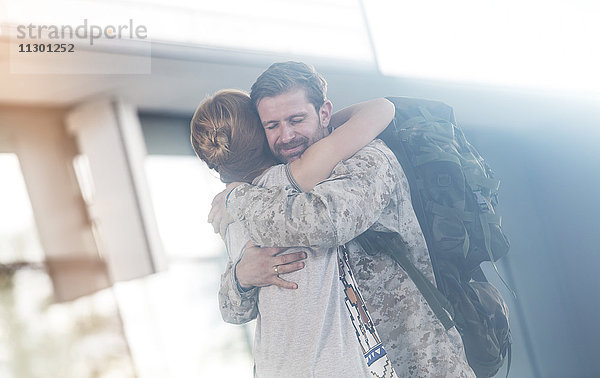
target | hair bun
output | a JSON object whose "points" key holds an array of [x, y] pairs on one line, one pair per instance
{"points": [[218, 143], [227, 134]]}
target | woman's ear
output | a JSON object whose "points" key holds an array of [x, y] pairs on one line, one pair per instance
{"points": [[325, 113]]}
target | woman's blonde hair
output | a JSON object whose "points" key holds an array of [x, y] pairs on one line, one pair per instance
{"points": [[226, 133]]}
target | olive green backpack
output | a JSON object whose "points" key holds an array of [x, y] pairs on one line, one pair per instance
{"points": [[454, 195]]}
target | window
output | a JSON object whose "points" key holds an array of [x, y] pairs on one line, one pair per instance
{"points": [[41, 338]]}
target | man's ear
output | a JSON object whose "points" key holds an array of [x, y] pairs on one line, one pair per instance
{"points": [[325, 113]]}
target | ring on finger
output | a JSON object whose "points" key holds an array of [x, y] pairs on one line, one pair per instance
{"points": [[276, 267]]}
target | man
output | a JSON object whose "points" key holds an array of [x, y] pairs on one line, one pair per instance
{"points": [[368, 190]]}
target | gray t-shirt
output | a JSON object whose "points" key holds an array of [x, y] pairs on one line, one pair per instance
{"points": [[305, 332]]}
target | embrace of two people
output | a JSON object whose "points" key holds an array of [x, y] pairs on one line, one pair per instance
{"points": [[302, 184]]}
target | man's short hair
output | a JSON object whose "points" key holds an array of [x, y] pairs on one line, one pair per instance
{"points": [[283, 77]]}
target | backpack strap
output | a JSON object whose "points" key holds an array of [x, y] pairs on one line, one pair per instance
{"points": [[478, 275], [397, 145], [474, 181], [381, 242], [509, 358], [485, 219], [436, 156]]}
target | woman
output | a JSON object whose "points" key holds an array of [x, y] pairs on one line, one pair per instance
{"points": [[303, 332]]}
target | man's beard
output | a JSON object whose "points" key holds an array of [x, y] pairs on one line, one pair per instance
{"points": [[300, 142]]}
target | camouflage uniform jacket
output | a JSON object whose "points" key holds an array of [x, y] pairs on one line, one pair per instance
{"points": [[368, 190]]}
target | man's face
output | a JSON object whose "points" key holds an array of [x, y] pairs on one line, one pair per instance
{"points": [[292, 123]]}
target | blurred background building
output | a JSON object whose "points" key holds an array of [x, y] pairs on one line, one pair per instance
{"points": [[107, 265]]}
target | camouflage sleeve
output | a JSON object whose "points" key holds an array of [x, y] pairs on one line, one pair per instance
{"points": [[237, 306], [333, 213]]}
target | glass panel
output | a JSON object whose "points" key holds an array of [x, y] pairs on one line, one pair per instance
{"points": [[534, 43], [83, 338], [40, 338], [18, 236], [182, 189], [174, 327], [174, 315]]}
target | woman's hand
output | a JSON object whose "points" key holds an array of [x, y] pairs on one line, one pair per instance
{"points": [[218, 215]]}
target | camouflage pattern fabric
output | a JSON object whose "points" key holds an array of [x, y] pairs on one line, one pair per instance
{"points": [[368, 190], [237, 306]]}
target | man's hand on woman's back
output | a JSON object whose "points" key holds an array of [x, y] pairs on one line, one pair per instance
{"points": [[264, 266]]}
